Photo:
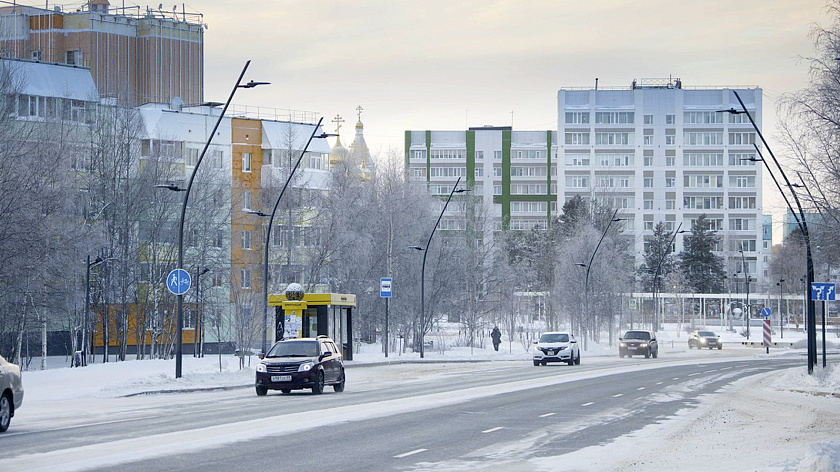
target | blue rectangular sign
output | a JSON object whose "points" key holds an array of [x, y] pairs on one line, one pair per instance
{"points": [[385, 287], [822, 291]]}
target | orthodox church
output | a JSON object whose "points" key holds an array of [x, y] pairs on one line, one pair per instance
{"points": [[357, 159]]}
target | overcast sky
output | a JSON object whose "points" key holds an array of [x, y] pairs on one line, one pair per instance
{"points": [[444, 64]]}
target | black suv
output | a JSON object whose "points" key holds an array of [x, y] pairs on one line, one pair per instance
{"points": [[638, 342], [295, 364]]}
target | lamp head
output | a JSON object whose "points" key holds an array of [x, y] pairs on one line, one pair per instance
{"points": [[252, 84]]}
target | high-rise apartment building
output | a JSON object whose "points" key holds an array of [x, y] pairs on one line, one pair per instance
{"points": [[658, 151], [143, 56]]}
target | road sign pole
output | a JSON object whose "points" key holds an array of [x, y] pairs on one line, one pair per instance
{"points": [[767, 339], [825, 305], [386, 327]]}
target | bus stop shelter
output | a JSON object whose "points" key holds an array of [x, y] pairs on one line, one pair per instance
{"points": [[327, 314]]}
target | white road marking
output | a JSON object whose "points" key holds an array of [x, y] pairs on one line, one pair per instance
{"points": [[6, 435], [725, 368], [675, 378], [587, 404], [696, 373], [640, 388], [618, 395], [409, 453], [710, 371], [493, 429], [547, 415], [658, 383]]}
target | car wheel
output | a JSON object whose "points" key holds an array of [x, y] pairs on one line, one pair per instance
{"points": [[318, 388], [5, 412], [286, 390], [647, 353], [689, 345], [536, 363], [720, 347], [261, 391], [577, 359], [339, 387], [656, 353], [620, 354]]}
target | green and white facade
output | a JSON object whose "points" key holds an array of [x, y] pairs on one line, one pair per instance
{"points": [[513, 171]]}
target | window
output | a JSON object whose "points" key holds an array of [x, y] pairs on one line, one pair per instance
{"points": [[246, 162], [479, 155], [448, 154], [613, 139], [497, 190], [246, 200], [541, 207], [448, 171], [648, 141], [579, 117], [670, 119], [670, 182], [526, 154], [670, 161], [670, 204], [73, 58], [649, 225], [497, 155], [577, 181], [246, 240], [702, 203], [245, 278], [614, 117], [742, 224], [479, 171], [192, 157], [742, 181], [741, 203], [218, 238], [702, 159], [577, 159], [648, 204], [741, 159], [648, 119], [577, 138], [528, 171], [614, 159], [703, 138], [740, 118], [419, 171], [702, 181], [315, 160], [737, 139], [702, 117], [528, 189], [497, 171], [712, 224], [35, 55], [648, 182], [218, 159], [648, 161], [418, 154]]}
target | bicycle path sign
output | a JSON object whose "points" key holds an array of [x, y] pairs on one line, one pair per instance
{"points": [[178, 281]]}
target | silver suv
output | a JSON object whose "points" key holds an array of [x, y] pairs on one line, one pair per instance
{"points": [[557, 346], [11, 392]]}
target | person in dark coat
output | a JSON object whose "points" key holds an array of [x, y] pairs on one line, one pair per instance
{"points": [[497, 337]]}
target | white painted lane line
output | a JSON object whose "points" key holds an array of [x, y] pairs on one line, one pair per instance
{"points": [[587, 404], [658, 383], [409, 453], [675, 378], [618, 395], [725, 368], [692, 375], [493, 429], [709, 371], [62, 428], [640, 388], [547, 415]]}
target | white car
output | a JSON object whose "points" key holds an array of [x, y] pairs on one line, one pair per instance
{"points": [[11, 392], [557, 346]]}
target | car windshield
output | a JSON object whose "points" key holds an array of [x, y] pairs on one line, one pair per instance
{"points": [[637, 335], [294, 349], [554, 338], [707, 334]]}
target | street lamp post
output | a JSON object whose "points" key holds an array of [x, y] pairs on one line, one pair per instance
{"points": [[803, 225], [423, 267], [271, 223], [586, 279], [180, 317], [198, 320], [781, 283], [656, 300], [747, 283], [90, 264]]}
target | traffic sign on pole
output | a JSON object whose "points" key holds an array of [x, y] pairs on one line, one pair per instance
{"points": [[822, 291], [385, 287], [178, 281], [632, 303], [765, 312]]}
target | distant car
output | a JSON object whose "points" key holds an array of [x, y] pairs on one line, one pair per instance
{"points": [[557, 347], [11, 392], [635, 342], [701, 339], [296, 364]]}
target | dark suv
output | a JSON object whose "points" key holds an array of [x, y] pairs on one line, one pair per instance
{"points": [[296, 364], [638, 342]]}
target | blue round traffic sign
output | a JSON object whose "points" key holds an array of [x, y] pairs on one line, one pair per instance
{"points": [[765, 312], [178, 281]]}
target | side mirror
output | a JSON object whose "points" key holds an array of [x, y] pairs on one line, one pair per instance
{"points": [[621, 339], [261, 355], [324, 355], [573, 341], [533, 342]]}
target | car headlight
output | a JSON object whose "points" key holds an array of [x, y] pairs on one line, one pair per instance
{"points": [[261, 367], [622, 344], [643, 345], [306, 367]]}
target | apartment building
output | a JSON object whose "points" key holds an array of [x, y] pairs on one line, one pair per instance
{"points": [[141, 55], [513, 172], [659, 151]]}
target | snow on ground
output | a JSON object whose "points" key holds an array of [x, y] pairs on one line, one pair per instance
{"points": [[777, 421]]}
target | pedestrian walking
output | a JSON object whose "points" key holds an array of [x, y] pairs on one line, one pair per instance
{"points": [[497, 337]]}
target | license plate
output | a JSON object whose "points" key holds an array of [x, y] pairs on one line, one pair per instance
{"points": [[281, 378], [631, 348]]}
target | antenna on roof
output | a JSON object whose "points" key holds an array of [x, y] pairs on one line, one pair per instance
{"points": [[596, 83]]}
